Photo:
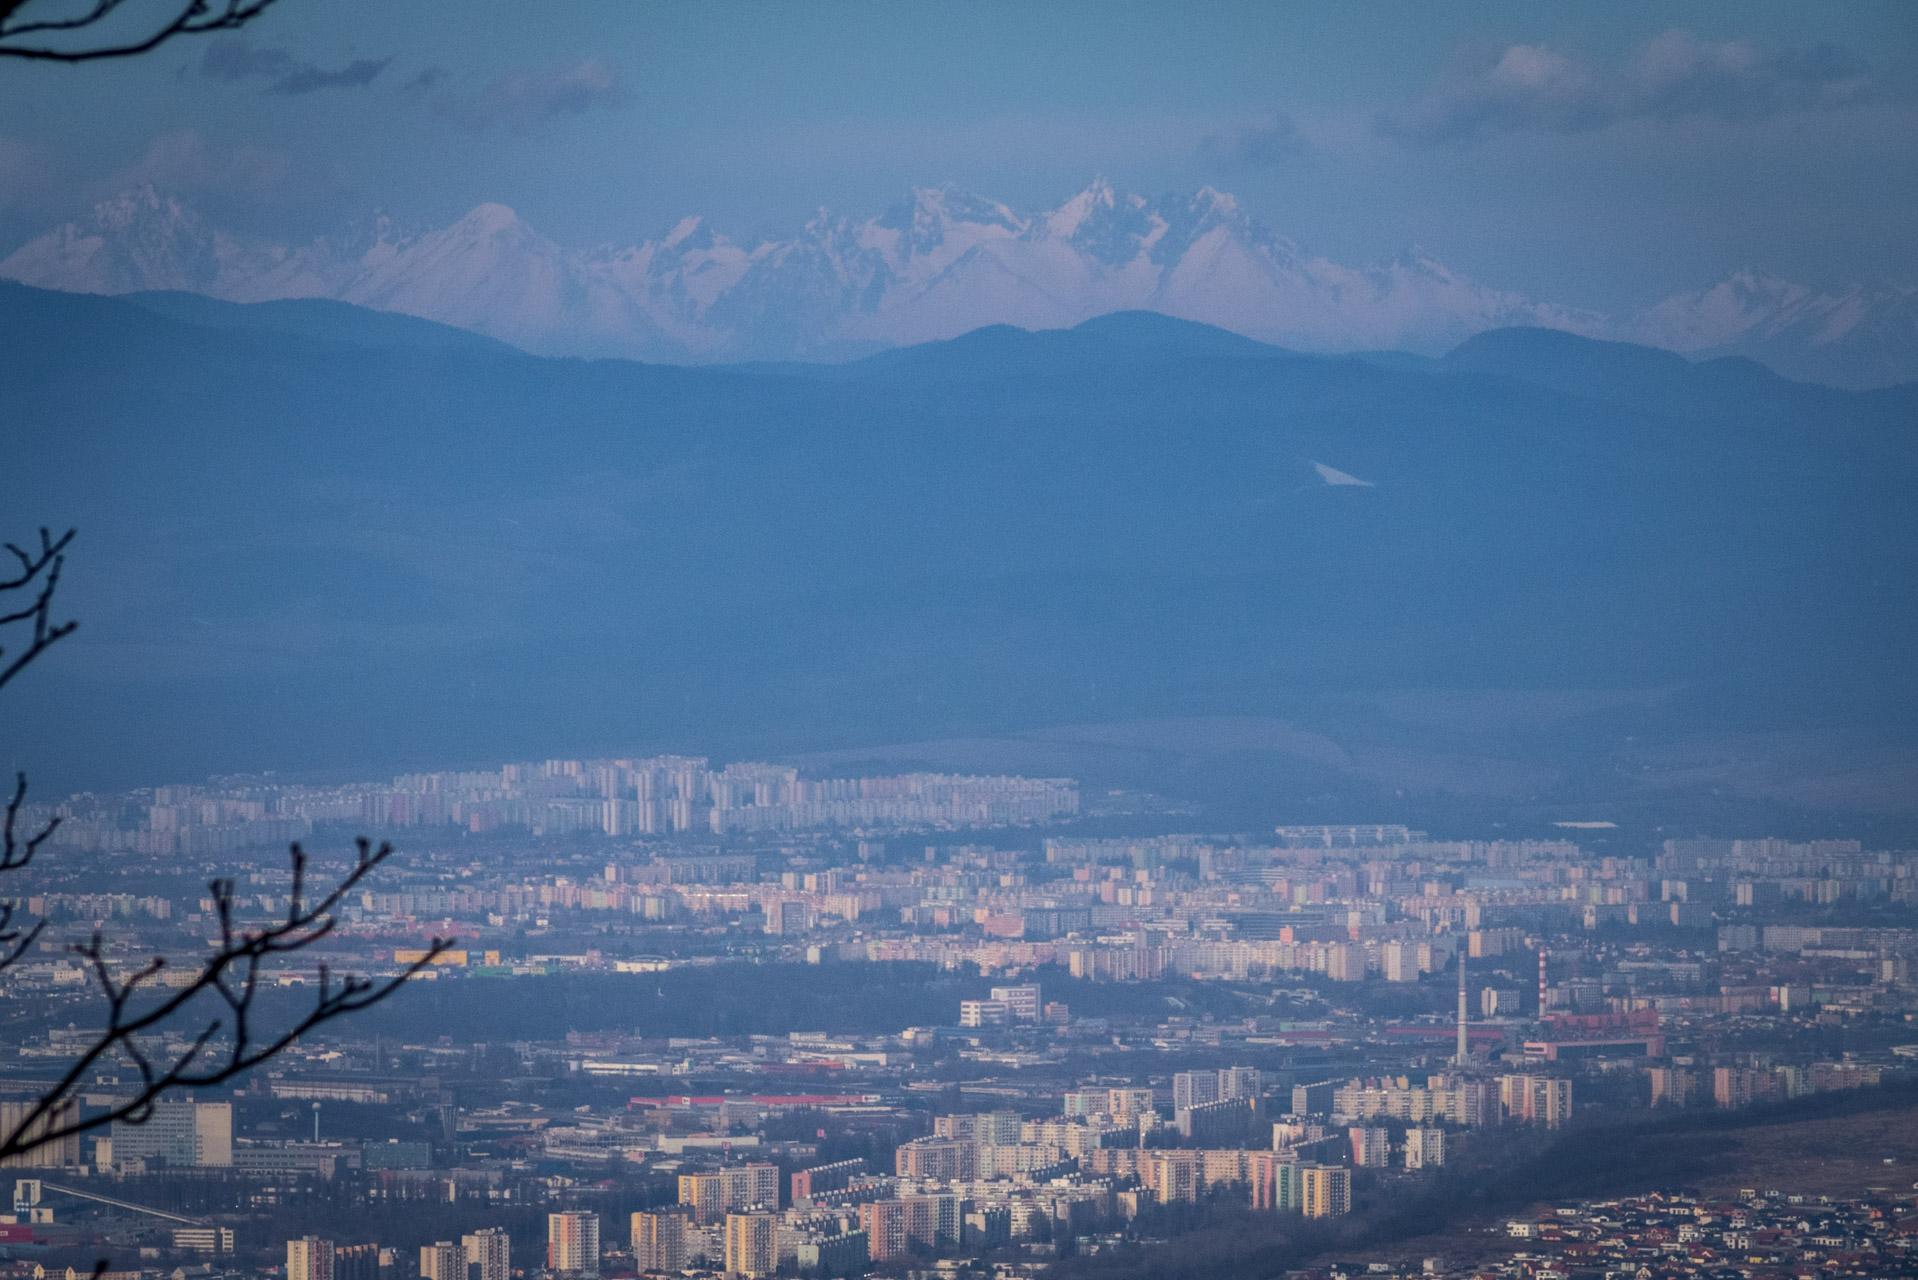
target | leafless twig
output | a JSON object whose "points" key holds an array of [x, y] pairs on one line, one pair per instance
{"points": [[228, 981], [14, 854], [14, 851], [39, 573], [182, 18], [219, 995]]}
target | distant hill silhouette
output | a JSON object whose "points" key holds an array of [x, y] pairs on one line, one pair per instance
{"points": [[318, 318], [331, 540]]}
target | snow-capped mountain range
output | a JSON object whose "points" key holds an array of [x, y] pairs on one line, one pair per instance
{"points": [[935, 265]]}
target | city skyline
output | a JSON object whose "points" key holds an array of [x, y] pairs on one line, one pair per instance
{"points": [[1063, 641]]}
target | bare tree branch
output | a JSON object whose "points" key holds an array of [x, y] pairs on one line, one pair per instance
{"points": [[40, 574], [15, 852], [227, 983], [184, 18], [15, 941]]}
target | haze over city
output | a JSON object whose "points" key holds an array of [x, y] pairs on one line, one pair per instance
{"points": [[1020, 643]]}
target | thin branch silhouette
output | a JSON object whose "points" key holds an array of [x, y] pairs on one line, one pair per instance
{"points": [[228, 981], [219, 995], [15, 853], [183, 18], [39, 573]]}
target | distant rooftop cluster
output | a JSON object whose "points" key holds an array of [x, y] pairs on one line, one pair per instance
{"points": [[658, 795]]}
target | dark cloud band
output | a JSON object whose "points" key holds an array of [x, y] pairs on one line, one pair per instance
{"points": [[235, 60]]}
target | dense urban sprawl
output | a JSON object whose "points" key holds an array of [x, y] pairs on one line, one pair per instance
{"points": [[1003, 1049]]}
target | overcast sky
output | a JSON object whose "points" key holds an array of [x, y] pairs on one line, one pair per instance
{"points": [[1595, 154]]}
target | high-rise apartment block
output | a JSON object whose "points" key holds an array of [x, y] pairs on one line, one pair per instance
{"points": [[442, 1260], [937, 1160], [1400, 961], [1173, 1177], [713, 1195], [1325, 1191], [842, 1253], [822, 1178], [896, 1229], [1275, 1181], [659, 1241], [1345, 962], [1240, 1082], [1194, 1088], [1223, 1122], [572, 1243], [1673, 1086], [999, 1128], [1371, 1147], [705, 1195], [886, 1224], [1313, 1099], [1536, 1099], [356, 1262], [489, 1254], [309, 1258], [752, 1244], [1084, 1102], [1424, 1148]]}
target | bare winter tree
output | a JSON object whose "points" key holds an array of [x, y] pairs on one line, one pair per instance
{"points": [[194, 1032], [37, 580], [88, 30]]}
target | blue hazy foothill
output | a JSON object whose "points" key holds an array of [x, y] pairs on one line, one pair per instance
{"points": [[318, 538], [317, 318]]}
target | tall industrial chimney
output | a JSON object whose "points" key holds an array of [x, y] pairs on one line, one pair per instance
{"points": [[1464, 1051]]}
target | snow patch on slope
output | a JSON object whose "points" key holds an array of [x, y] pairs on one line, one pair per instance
{"points": [[938, 263]]}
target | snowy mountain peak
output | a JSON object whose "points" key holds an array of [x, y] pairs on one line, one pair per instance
{"points": [[490, 220], [1860, 335], [139, 239], [937, 263], [1216, 202], [377, 236], [690, 234], [928, 218], [1065, 221], [143, 205]]}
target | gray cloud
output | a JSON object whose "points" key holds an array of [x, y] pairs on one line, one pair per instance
{"points": [[424, 80], [184, 162], [523, 98], [355, 74], [1260, 147], [1531, 87], [234, 59]]}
